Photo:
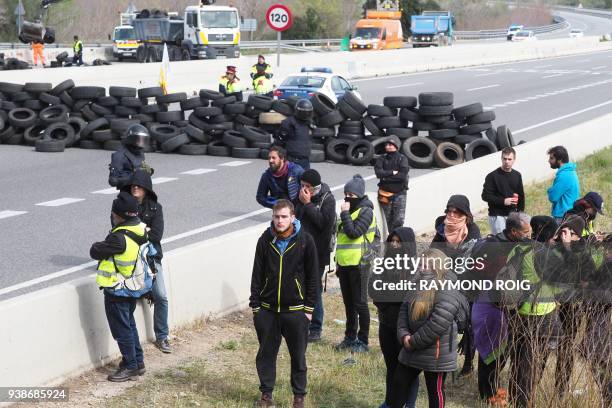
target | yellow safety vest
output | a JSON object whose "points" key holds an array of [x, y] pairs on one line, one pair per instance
{"points": [[541, 301], [268, 69], [77, 46], [123, 263], [236, 86], [589, 229], [349, 251], [262, 85]]}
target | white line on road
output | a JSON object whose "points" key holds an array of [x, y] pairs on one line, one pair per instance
{"points": [[499, 105], [235, 163], [483, 75], [583, 60], [111, 190], [86, 265], [161, 180], [488, 108], [9, 213], [483, 87], [197, 172], [543, 66], [405, 85], [60, 202], [551, 76], [598, 68]]}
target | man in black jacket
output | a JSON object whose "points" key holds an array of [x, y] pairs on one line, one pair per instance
{"points": [[295, 132], [283, 295], [392, 171], [316, 210], [151, 213], [503, 191], [130, 157]]}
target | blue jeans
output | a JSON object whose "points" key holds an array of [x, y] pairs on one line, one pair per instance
{"points": [[304, 163], [120, 316], [160, 311], [316, 325]]}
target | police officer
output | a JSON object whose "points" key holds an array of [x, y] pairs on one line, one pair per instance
{"points": [[261, 65], [295, 131], [229, 84], [262, 85], [77, 48], [130, 157]]}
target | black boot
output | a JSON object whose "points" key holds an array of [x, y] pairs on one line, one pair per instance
{"points": [[141, 367], [123, 374]]}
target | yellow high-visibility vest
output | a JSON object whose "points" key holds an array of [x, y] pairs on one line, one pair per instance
{"points": [[123, 263], [349, 251]]}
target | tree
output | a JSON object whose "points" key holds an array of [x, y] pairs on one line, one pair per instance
{"points": [[306, 26]]}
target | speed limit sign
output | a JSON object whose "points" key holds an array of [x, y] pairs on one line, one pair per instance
{"points": [[279, 17]]}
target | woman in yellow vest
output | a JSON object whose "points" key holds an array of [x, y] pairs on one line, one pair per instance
{"points": [[229, 84], [356, 230]]}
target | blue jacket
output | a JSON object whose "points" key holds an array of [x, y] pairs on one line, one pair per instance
{"points": [[281, 244], [565, 190], [268, 190]]}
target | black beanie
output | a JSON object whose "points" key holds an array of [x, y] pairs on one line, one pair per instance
{"points": [[312, 177], [125, 205]]}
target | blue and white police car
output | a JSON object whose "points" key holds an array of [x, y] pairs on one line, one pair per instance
{"points": [[311, 80]]}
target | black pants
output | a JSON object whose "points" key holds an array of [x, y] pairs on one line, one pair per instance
{"points": [[488, 376], [469, 349], [404, 378], [270, 328], [355, 303]]}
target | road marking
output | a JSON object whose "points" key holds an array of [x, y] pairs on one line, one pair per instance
{"points": [[488, 108], [583, 60], [551, 76], [405, 85], [522, 100], [483, 75], [483, 87], [86, 265], [543, 66], [161, 180], [235, 163], [111, 190], [197, 172], [9, 213], [512, 103], [499, 105], [60, 201], [598, 68], [562, 117]]}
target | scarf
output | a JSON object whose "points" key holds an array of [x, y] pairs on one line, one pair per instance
{"points": [[282, 172], [283, 235], [455, 229]]}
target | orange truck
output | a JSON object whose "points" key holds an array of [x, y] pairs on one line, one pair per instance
{"points": [[381, 30]]}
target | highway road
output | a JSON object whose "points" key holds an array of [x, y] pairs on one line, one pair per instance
{"points": [[53, 206]]}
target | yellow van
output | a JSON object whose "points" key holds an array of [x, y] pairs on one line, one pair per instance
{"points": [[381, 30]]}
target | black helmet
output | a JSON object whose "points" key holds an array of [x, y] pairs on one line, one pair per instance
{"points": [[137, 136], [303, 109]]}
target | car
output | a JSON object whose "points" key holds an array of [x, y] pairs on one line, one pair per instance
{"points": [[524, 36], [310, 80], [576, 33], [513, 29]]}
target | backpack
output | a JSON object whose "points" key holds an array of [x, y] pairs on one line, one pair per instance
{"points": [[142, 278], [513, 271]]}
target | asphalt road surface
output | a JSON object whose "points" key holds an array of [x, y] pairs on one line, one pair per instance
{"points": [[53, 206]]}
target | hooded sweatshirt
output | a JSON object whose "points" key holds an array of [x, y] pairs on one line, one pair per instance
{"points": [[565, 190]]}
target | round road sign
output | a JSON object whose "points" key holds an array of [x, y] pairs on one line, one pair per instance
{"points": [[279, 17]]}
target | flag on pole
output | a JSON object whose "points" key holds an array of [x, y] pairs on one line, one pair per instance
{"points": [[164, 70]]}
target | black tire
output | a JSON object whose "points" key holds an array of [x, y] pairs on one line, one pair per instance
{"points": [[87, 92], [336, 150], [223, 101], [112, 145], [369, 124], [381, 110], [467, 139], [437, 120], [260, 102], [362, 147], [331, 119], [49, 99], [234, 108], [193, 149], [6, 134], [170, 116], [448, 154], [210, 95], [463, 112], [102, 135], [7, 87], [21, 97], [267, 145], [94, 125], [511, 138], [219, 150], [209, 111], [439, 110], [62, 87], [473, 129], [408, 115], [33, 133], [172, 97], [121, 125], [22, 117], [88, 114], [124, 111], [122, 91], [220, 119], [321, 104], [162, 133], [443, 134], [263, 154], [402, 133], [400, 102], [16, 139], [131, 102], [350, 136], [89, 144], [491, 134], [450, 124], [233, 138], [78, 124], [348, 110], [479, 148], [282, 107], [436, 98], [67, 99], [245, 152], [174, 143], [50, 146], [354, 102], [79, 104], [355, 126], [254, 134], [245, 120], [503, 140], [37, 87], [323, 132], [197, 135], [191, 103], [420, 152], [8, 106], [385, 122], [484, 117], [54, 114], [199, 123], [107, 101], [61, 131], [143, 118], [35, 105], [100, 110], [150, 92], [317, 156], [151, 109]]}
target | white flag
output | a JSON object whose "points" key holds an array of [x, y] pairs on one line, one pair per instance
{"points": [[164, 70]]}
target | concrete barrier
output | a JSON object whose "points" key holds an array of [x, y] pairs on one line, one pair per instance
{"points": [[58, 332]]}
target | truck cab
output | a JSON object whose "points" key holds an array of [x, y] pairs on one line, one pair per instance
{"points": [[432, 28], [379, 31], [124, 42], [211, 31]]}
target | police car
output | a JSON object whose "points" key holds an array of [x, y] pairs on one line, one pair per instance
{"points": [[311, 80]]}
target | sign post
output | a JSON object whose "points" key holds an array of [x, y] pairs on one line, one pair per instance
{"points": [[279, 19]]}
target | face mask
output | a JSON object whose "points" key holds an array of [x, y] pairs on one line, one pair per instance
{"points": [[351, 200]]}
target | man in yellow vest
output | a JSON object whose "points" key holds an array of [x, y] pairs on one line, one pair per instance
{"points": [[262, 85], [77, 48], [263, 66], [357, 230], [229, 84], [118, 255]]}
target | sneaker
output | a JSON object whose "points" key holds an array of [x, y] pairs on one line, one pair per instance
{"points": [[265, 401], [298, 401], [360, 347], [314, 337], [345, 344], [141, 367], [123, 374], [163, 345]]}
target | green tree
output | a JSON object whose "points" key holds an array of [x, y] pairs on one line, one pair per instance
{"points": [[305, 26]]}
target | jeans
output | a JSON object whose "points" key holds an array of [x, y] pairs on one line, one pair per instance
{"points": [[395, 211], [316, 325], [497, 223], [303, 162], [160, 311], [120, 316]]}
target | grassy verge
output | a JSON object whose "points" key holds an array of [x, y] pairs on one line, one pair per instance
{"points": [[226, 376]]}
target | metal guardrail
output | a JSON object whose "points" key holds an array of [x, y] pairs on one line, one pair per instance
{"points": [[590, 12], [559, 24]]}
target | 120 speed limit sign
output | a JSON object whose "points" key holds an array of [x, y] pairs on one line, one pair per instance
{"points": [[279, 17]]}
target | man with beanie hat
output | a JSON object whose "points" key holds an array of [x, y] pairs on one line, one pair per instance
{"points": [[356, 232], [316, 210], [392, 171], [117, 256]]}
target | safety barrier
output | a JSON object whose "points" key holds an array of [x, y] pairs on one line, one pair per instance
{"points": [[559, 24]]}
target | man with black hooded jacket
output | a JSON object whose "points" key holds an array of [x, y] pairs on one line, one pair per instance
{"points": [[295, 131], [392, 171], [316, 210], [151, 213], [130, 157]]}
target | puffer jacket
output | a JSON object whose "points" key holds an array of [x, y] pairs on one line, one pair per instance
{"points": [[433, 341], [297, 137]]}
